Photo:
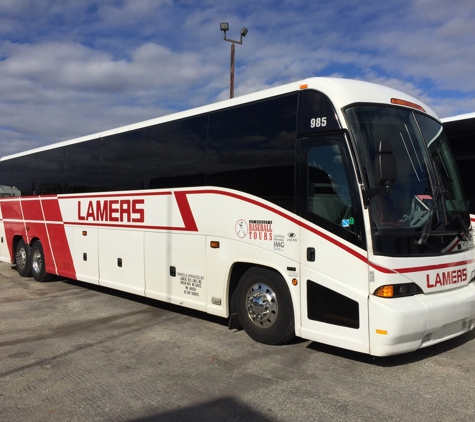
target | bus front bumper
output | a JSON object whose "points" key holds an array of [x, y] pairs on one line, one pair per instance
{"points": [[401, 325]]}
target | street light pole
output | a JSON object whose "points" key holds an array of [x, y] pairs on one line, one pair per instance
{"points": [[231, 74], [224, 26]]}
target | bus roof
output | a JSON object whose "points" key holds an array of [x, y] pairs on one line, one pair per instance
{"points": [[342, 92], [465, 116]]}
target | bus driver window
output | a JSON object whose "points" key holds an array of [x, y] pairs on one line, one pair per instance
{"points": [[328, 192]]}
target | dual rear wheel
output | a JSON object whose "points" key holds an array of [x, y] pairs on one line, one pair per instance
{"points": [[30, 261]]}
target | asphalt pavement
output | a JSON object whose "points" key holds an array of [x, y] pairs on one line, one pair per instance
{"points": [[70, 351]]}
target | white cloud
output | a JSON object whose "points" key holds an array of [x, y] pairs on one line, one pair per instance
{"points": [[72, 68]]}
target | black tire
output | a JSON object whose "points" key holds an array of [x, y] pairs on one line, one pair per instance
{"points": [[265, 307], [38, 269], [23, 258]]}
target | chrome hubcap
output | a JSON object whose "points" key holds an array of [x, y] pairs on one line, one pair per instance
{"points": [[36, 262], [262, 306], [20, 258]]}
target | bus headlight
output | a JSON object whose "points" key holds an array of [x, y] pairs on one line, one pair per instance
{"points": [[398, 290]]}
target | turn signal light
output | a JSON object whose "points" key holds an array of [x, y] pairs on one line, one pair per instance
{"points": [[398, 290], [385, 291]]}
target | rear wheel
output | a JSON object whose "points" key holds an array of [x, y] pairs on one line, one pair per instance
{"points": [[38, 269], [23, 258], [265, 307]]}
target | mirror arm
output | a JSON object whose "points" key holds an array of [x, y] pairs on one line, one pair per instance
{"points": [[372, 192]]}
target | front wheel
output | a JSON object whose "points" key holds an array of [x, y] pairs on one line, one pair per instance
{"points": [[38, 269], [265, 307], [23, 258]]}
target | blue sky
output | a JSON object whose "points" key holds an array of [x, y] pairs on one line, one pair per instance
{"points": [[70, 68]]}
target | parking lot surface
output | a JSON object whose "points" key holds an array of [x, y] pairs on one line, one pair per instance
{"points": [[70, 351]]}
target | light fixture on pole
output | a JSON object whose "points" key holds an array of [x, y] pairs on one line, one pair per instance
{"points": [[224, 26]]}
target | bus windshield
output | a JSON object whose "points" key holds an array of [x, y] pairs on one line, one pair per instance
{"points": [[424, 210]]}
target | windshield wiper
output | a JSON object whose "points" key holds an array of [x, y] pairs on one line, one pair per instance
{"points": [[466, 233], [440, 194]]}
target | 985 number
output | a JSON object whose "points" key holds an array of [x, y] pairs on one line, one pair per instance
{"points": [[318, 122]]}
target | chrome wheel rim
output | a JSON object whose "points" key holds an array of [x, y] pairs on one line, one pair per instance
{"points": [[37, 261], [262, 307], [20, 258]]}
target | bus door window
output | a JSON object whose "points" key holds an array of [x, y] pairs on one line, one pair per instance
{"points": [[330, 191], [328, 194]]}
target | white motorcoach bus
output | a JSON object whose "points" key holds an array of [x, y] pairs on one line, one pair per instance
{"points": [[329, 209]]}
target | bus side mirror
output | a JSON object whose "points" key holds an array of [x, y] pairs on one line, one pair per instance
{"points": [[385, 165]]}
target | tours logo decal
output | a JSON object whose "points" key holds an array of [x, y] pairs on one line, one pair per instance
{"points": [[263, 230], [241, 229], [254, 229]]}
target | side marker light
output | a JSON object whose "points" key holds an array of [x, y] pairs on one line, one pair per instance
{"points": [[407, 104]]}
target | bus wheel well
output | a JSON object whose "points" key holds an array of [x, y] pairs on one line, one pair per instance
{"points": [[18, 237], [15, 241]]}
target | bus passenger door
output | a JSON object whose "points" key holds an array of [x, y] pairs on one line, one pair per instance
{"points": [[334, 270]]}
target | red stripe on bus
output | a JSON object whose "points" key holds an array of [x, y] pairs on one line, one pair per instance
{"points": [[332, 240], [38, 218], [11, 210], [126, 226], [434, 266], [116, 195], [60, 246], [185, 211], [51, 209], [31, 210]]}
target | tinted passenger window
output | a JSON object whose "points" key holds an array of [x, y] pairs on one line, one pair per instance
{"points": [[251, 148], [50, 179], [175, 154], [81, 172], [20, 172], [122, 160]]}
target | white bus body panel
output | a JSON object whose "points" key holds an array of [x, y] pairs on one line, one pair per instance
{"points": [[121, 260], [339, 267], [4, 252], [85, 251], [186, 255]]}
